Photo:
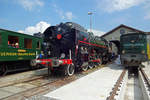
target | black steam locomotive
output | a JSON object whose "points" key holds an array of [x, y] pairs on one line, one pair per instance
{"points": [[68, 46]]}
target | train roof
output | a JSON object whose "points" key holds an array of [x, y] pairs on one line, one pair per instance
{"points": [[131, 33], [75, 26], [19, 33]]}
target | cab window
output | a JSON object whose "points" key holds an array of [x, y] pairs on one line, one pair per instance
{"points": [[13, 42], [28, 43], [38, 45]]}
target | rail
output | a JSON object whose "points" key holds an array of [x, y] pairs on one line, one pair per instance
{"points": [[117, 85], [145, 77]]}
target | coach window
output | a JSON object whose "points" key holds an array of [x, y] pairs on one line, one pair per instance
{"points": [[13, 41], [28, 43], [38, 45]]}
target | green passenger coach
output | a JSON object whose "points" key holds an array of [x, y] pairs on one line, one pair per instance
{"points": [[135, 49], [17, 48]]}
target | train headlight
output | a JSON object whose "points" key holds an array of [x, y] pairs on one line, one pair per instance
{"points": [[62, 55], [123, 51], [143, 51]]}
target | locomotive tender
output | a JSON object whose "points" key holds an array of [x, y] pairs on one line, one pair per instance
{"points": [[135, 49], [68, 46], [17, 50]]}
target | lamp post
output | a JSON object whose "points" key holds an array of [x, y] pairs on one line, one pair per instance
{"points": [[90, 14]]}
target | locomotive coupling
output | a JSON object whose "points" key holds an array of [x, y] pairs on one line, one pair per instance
{"points": [[58, 62], [43, 61], [53, 62], [38, 61]]}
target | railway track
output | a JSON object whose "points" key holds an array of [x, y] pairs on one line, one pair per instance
{"points": [[40, 85], [22, 77], [40, 88], [36, 85], [131, 86], [22, 81]]}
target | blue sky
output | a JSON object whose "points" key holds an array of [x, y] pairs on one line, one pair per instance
{"points": [[31, 16]]}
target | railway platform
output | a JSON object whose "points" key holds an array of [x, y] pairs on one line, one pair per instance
{"points": [[94, 86]]}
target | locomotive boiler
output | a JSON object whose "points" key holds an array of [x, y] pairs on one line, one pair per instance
{"points": [[68, 46]]}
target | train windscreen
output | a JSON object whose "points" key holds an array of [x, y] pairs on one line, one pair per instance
{"points": [[133, 43]]}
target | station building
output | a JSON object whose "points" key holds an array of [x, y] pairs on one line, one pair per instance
{"points": [[114, 35]]}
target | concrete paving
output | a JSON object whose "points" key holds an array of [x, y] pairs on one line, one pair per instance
{"points": [[133, 90], [95, 86], [147, 68]]}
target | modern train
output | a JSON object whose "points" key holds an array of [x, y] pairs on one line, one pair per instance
{"points": [[135, 49]]}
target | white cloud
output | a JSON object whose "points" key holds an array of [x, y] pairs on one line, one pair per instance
{"points": [[97, 32], [39, 27], [147, 16], [59, 11], [147, 10], [69, 15], [63, 15], [118, 5], [30, 4], [21, 31]]}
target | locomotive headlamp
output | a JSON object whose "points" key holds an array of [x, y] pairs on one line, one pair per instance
{"points": [[143, 51], [123, 51], [62, 55]]}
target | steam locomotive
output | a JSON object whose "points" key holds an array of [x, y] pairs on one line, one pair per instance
{"points": [[68, 46]]}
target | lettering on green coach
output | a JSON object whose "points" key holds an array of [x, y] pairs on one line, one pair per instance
{"points": [[21, 50], [16, 54]]}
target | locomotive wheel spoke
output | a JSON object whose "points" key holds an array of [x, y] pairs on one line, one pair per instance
{"points": [[91, 66], [69, 70], [84, 68]]}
